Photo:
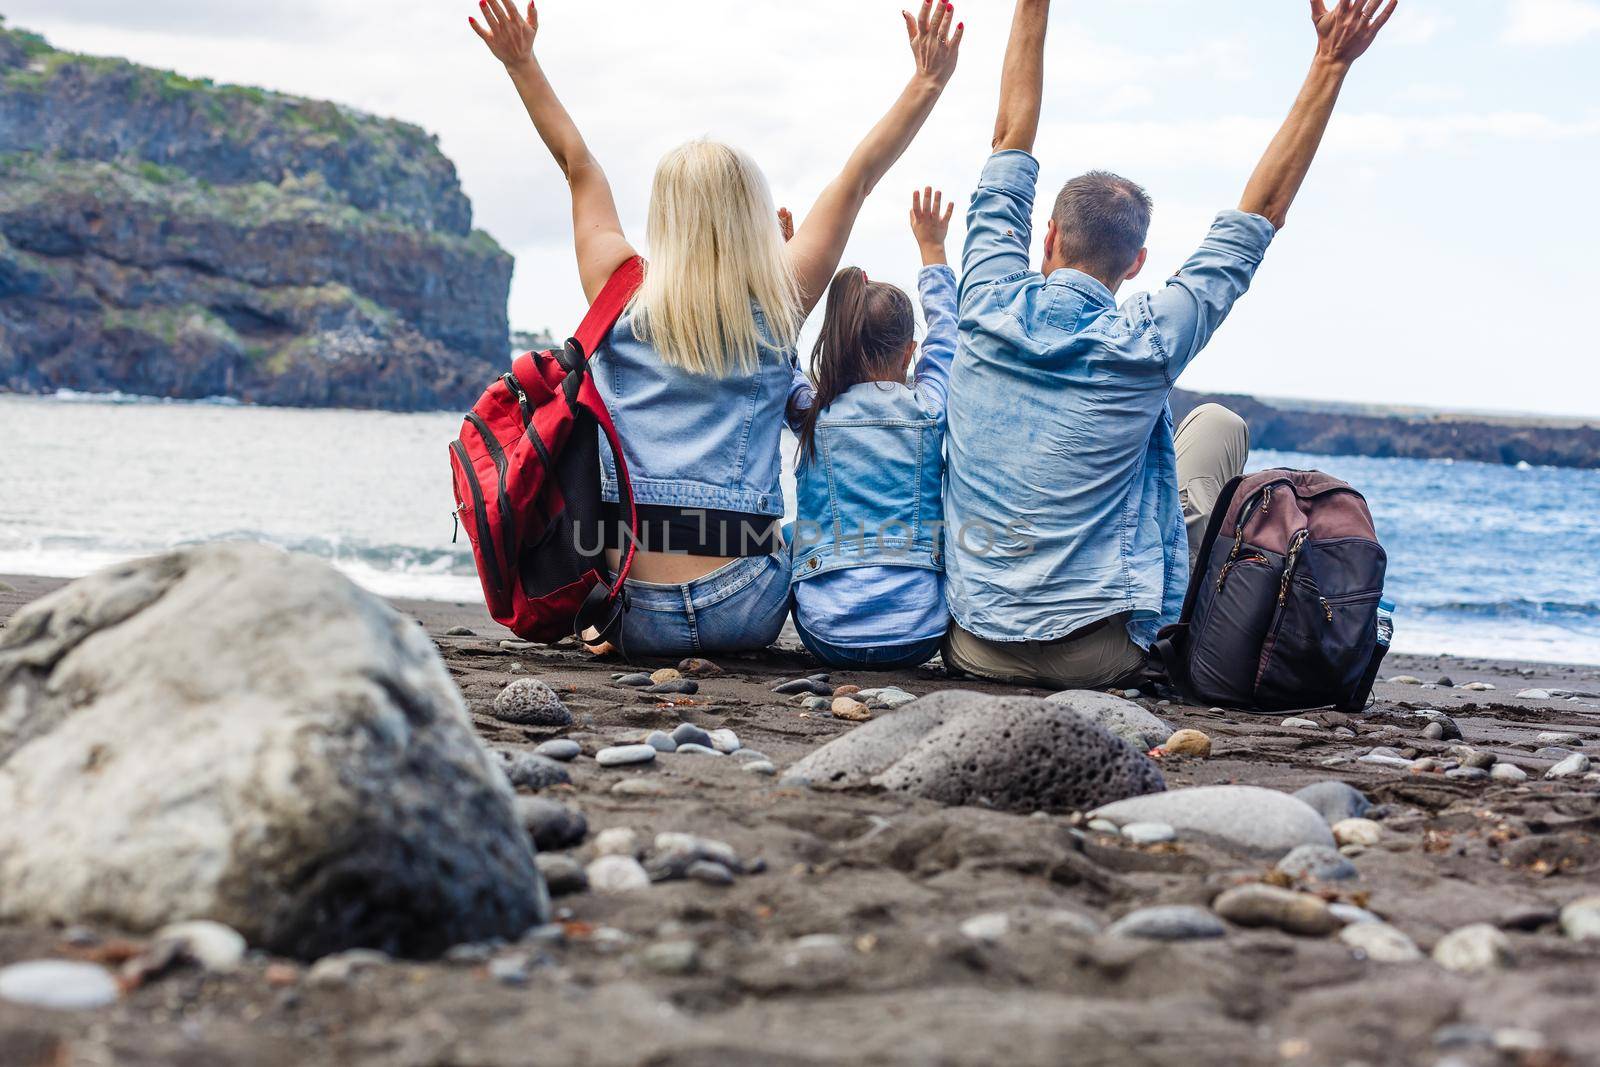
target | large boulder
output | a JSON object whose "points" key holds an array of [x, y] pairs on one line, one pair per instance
{"points": [[1123, 718], [236, 734], [1235, 818], [1018, 754]]}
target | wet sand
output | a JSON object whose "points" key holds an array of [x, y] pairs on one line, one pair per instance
{"points": [[848, 947]]}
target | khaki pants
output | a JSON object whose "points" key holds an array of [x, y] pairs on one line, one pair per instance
{"points": [[1212, 445]]}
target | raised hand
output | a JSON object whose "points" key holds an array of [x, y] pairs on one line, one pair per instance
{"points": [[933, 43], [930, 223], [1347, 30], [509, 36]]}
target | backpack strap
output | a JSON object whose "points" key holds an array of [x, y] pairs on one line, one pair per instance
{"points": [[604, 608], [1171, 647]]}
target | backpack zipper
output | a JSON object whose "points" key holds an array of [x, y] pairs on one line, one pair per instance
{"points": [[522, 398], [1227, 568], [1295, 546], [481, 513]]}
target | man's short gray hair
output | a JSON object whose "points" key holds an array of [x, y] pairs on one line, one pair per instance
{"points": [[1103, 220]]}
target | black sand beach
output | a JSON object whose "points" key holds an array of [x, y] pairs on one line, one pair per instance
{"points": [[850, 946]]}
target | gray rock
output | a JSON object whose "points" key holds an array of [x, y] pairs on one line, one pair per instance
{"points": [[1508, 772], [625, 755], [671, 957], [1534, 694], [1380, 942], [1385, 761], [563, 874], [560, 749], [687, 733], [552, 826], [1557, 737], [1580, 920], [1574, 766], [697, 750], [1300, 724], [725, 741], [617, 841], [1240, 818], [459, 631], [1350, 915], [1433, 731], [991, 927], [1121, 718], [634, 681], [885, 699], [1317, 863], [1009, 753], [1468, 774], [513, 970], [1452, 732], [617, 874], [750, 755], [709, 873], [339, 968], [316, 764], [213, 946], [816, 703], [59, 985], [639, 787], [525, 770], [1335, 801], [676, 687], [1168, 923], [804, 685], [761, 767], [1473, 949], [661, 742], [1149, 833], [530, 702]]}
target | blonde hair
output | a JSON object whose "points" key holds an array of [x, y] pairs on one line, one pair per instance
{"points": [[715, 248]]}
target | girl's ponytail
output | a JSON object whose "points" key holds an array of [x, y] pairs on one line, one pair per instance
{"points": [[865, 331]]}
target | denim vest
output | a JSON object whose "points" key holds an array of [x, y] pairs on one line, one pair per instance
{"points": [[871, 495], [693, 441]]}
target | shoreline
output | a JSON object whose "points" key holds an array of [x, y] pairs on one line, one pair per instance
{"points": [[854, 943]]}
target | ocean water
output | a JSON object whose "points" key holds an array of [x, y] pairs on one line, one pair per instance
{"points": [[1484, 560]]}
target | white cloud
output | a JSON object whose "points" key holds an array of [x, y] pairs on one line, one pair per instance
{"points": [[1552, 22], [1413, 26]]}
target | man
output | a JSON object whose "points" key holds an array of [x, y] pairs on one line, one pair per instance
{"points": [[1069, 494]]}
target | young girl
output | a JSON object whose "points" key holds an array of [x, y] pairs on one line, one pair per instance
{"points": [[868, 566]]}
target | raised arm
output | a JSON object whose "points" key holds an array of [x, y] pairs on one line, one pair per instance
{"points": [[1022, 80], [930, 224], [819, 242], [596, 227], [1343, 36]]}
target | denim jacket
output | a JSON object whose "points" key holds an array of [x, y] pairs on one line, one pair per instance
{"points": [[1062, 492], [872, 494], [694, 441]]}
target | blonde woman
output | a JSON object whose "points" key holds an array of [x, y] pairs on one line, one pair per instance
{"points": [[702, 372]]}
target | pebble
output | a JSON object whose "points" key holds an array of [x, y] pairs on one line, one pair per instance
{"points": [[762, 767], [1282, 909], [846, 690], [885, 699], [635, 681], [1471, 757], [639, 787], [625, 755], [816, 703], [1300, 724], [665, 674], [1188, 743], [1446, 681], [60, 985], [1149, 833], [1574, 766], [1380, 943], [340, 968], [1534, 694], [530, 702], [703, 848], [678, 687], [1508, 772], [1317, 863], [850, 709], [212, 945], [459, 631], [1250, 819], [804, 685], [1556, 737], [725, 741], [1105, 826], [1343, 732], [1178, 922], [1468, 774], [1477, 687], [661, 741], [1349, 914], [1452, 731], [511, 970], [699, 668], [561, 749], [563, 875], [1357, 832], [1433, 765], [750, 755], [1335, 801], [708, 872], [1131, 694], [1433, 731], [617, 874], [509, 645], [1473, 949], [526, 770], [697, 750], [988, 928], [552, 826], [687, 733], [1405, 679], [671, 957], [617, 841], [1385, 761], [1580, 920]]}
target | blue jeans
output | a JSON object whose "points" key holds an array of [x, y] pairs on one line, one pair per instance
{"points": [[738, 608], [876, 657]]}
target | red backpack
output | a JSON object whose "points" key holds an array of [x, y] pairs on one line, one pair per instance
{"points": [[527, 486]]}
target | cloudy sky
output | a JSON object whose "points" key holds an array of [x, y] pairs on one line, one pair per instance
{"points": [[1442, 253]]}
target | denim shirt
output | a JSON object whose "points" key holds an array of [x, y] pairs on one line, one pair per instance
{"points": [[1062, 493], [870, 501], [695, 441]]}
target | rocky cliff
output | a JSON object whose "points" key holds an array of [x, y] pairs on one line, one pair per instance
{"points": [[166, 236]]}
